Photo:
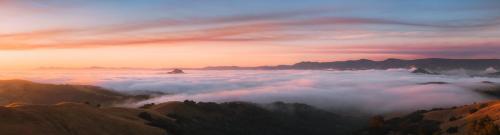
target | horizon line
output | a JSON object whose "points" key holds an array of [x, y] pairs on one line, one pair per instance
{"points": [[234, 66]]}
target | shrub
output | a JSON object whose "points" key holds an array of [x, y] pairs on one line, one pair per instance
{"points": [[473, 110], [189, 102], [147, 106], [376, 122], [483, 105], [483, 126], [452, 118], [145, 116], [437, 109], [452, 130]]}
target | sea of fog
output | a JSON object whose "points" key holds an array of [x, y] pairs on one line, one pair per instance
{"points": [[377, 91]]}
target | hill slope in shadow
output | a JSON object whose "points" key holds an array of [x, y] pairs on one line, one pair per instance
{"points": [[250, 119]]}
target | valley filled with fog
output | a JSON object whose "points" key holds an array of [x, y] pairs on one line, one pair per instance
{"points": [[368, 91]]}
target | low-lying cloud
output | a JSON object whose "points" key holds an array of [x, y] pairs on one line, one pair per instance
{"points": [[368, 91], [373, 91]]}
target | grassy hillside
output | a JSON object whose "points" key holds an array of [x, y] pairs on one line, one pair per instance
{"points": [[40, 109], [175, 118], [475, 119], [30, 108], [74, 119], [19, 91], [239, 118]]}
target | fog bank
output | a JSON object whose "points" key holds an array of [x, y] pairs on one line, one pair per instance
{"points": [[375, 91]]}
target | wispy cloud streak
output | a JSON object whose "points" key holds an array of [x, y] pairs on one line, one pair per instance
{"points": [[270, 27]]}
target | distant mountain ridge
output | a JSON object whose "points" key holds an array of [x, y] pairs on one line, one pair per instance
{"points": [[434, 64], [363, 64]]}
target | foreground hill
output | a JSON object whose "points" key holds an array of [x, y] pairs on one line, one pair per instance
{"points": [[21, 117], [20, 91], [29, 108], [239, 118], [175, 118], [475, 119], [73, 119]]}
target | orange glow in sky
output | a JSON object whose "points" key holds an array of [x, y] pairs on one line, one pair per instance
{"points": [[191, 34]]}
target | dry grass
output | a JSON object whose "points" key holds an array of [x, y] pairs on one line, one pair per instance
{"points": [[466, 118], [19, 91], [74, 119]]}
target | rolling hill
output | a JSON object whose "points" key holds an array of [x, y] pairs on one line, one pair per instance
{"points": [[475, 119], [20, 91], [36, 110], [30, 108], [241, 118], [73, 119]]}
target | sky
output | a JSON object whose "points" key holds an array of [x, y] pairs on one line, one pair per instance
{"points": [[199, 33]]}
